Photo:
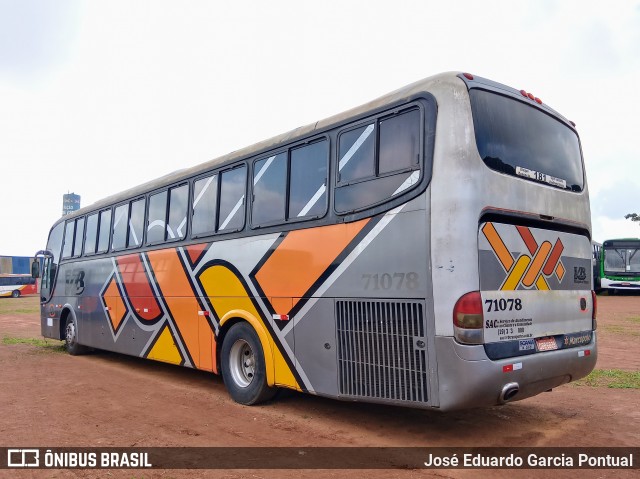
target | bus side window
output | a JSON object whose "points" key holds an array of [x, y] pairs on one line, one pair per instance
{"points": [[136, 223], [205, 200], [308, 180], [91, 234], [157, 218], [269, 190], [77, 244], [390, 169], [121, 217], [104, 228], [67, 249], [177, 226], [231, 209]]}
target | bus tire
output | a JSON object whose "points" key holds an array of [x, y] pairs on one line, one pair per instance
{"points": [[15, 294], [243, 366], [71, 337]]}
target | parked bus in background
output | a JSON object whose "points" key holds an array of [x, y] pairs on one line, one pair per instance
{"points": [[620, 265], [431, 248], [597, 248], [16, 285]]}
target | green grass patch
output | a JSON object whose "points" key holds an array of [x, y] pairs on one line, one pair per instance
{"points": [[44, 345], [611, 378], [26, 305], [620, 329]]}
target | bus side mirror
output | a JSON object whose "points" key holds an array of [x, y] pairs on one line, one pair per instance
{"points": [[35, 269]]}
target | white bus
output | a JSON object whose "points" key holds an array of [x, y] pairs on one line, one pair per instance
{"points": [[431, 249]]}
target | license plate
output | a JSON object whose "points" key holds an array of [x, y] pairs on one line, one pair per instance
{"points": [[546, 344]]}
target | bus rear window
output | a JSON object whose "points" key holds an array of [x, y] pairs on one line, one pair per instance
{"points": [[521, 140]]}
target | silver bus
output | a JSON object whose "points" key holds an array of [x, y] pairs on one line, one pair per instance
{"points": [[431, 249]]}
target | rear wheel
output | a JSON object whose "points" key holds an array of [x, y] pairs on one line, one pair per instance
{"points": [[71, 337], [243, 366], [15, 294]]}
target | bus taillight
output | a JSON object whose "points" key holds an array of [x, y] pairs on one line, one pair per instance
{"points": [[468, 319]]}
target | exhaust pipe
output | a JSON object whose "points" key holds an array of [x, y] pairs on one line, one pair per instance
{"points": [[509, 391]]}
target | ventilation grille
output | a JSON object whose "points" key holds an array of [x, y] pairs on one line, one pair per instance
{"points": [[382, 350]]}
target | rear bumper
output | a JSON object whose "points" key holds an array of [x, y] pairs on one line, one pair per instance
{"points": [[468, 378]]}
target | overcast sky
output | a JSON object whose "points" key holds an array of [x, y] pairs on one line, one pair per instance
{"points": [[99, 96]]}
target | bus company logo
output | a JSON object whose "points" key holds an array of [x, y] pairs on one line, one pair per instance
{"points": [[580, 275], [530, 271], [23, 458]]}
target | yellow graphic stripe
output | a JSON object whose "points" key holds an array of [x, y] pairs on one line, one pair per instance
{"points": [[230, 299], [516, 274], [536, 265], [165, 348], [542, 284], [503, 254]]}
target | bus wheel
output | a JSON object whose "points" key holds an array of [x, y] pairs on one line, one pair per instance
{"points": [[71, 337], [15, 294], [243, 366]]}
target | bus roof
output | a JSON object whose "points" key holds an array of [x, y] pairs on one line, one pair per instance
{"points": [[428, 85]]}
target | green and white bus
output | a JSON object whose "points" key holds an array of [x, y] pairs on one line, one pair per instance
{"points": [[620, 265], [431, 248]]}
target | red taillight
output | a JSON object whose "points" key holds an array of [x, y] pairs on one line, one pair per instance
{"points": [[468, 321], [467, 313], [468, 76], [594, 312]]}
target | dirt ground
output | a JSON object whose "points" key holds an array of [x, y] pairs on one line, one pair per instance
{"points": [[51, 399]]}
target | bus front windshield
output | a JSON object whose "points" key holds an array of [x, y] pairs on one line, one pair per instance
{"points": [[622, 260], [519, 139]]}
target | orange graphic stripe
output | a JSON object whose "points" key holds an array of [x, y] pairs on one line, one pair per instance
{"points": [[113, 301], [536, 265], [527, 237], [178, 295], [558, 248], [302, 257], [504, 256]]}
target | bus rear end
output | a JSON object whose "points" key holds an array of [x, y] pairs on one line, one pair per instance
{"points": [[523, 312]]}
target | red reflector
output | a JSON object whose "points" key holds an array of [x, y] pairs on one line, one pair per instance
{"points": [[468, 76], [587, 352], [508, 368]]}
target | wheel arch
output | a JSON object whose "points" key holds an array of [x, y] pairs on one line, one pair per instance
{"points": [[237, 316]]}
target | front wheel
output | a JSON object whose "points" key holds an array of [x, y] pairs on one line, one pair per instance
{"points": [[15, 294], [71, 338], [243, 366]]}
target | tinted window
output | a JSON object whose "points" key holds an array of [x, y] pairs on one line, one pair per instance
{"points": [[308, 192], [269, 190], [232, 189], [103, 231], [136, 222], [77, 244], [205, 196], [512, 134], [389, 171], [399, 142], [178, 198], [157, 217], [356, 154], [120, 219], [92, 234], [68, 240]]}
